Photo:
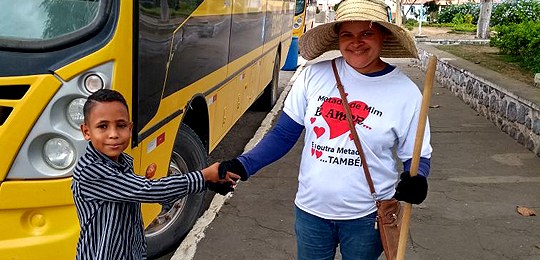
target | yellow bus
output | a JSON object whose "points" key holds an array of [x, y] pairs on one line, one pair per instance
{"points": [[188, 69], [304, 16]]}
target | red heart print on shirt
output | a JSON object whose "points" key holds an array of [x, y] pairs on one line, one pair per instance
{"points": [[317, 153], [318, 131], [333, 113]]}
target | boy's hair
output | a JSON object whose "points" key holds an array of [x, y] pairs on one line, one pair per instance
{"points": [[102, 95]]}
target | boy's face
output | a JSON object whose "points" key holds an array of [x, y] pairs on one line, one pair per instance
{"points": [[108, 127]]}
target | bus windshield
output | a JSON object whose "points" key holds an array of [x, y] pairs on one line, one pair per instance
{"points": [[300, 5], [33, 23]]}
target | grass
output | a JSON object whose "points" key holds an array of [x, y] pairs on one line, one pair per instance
{"points": [[489, 57]]}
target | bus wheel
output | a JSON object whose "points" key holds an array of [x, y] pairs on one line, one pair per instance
{"points": [[177, 218], [270, 95]]}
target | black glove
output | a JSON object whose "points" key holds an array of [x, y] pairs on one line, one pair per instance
{"points": [[234, 166], [411, 189], [220, 187]]}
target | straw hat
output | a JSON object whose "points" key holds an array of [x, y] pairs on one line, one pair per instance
{"points": [[323, 38]]}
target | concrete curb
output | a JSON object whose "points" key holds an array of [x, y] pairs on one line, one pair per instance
{"points": [[188, 247]]}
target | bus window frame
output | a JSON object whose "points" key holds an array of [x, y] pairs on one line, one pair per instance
{"points": [[103, 14], [303, 9]]}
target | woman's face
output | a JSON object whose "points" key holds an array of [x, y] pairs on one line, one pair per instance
{"points": [[360, 44]]}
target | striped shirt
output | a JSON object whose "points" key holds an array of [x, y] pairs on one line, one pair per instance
{"points": [[108, 198]]}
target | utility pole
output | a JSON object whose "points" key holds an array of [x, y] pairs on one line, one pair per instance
{"points": [[482, 30], [398, 13], [421, 14]]}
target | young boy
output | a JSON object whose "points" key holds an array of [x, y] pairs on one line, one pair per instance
{"points": [[108, 194]]}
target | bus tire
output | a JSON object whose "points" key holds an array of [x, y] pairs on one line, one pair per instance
{"points": [[175, 220], [270, 95]]}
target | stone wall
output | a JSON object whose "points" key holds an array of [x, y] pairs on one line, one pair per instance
{"points": [[514, 114]]}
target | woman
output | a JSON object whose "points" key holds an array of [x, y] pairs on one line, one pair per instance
{"points": [[334, 205]]}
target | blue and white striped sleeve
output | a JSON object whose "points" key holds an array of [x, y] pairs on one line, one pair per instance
{"points": [[100, 181]]}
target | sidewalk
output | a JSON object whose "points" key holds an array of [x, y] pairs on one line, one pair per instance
{"points": [[479, 175]]}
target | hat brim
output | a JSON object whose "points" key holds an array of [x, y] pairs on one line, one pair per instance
{"points": [[398, 44]]}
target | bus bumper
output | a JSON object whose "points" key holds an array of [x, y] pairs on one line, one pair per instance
{"points": [[37, 220]]}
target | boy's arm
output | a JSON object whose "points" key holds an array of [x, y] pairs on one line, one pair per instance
{"points": [[212, 174], [99, 181]]}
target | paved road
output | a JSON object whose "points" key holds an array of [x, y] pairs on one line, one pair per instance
{"points": [[479, 176]]}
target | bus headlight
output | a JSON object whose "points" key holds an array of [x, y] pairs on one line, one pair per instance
{"points": [[75, 113], [93, 83], [298, 23], [58, 153]]}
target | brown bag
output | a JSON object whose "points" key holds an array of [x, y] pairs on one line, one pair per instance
{"points": [[389, 215], [389, 212]]}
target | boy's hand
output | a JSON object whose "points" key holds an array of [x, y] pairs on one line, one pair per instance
{"points": [[211, 174], [151, 170]]}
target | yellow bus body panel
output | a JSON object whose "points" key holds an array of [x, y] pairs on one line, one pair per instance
{"points": [[160, 155], [38, 219], [14, 131], [300, 30]]}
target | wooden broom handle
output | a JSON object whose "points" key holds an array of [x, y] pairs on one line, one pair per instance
{"points": [[426, 99]]}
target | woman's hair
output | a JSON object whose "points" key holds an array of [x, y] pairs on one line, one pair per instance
{"points": [[103, 95]]}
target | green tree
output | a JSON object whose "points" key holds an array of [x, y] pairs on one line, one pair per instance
{"points": [[515, 11]]}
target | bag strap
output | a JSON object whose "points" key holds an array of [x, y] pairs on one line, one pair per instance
{"points": [[353, 131]]}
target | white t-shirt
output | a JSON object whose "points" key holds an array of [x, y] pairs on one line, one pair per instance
{"points": [[332, 184]]}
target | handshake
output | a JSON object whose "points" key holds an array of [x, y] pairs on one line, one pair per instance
{"points": [[227, 181]]}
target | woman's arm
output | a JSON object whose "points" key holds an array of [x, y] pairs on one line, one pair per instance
{"points": [[274, 145]]}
